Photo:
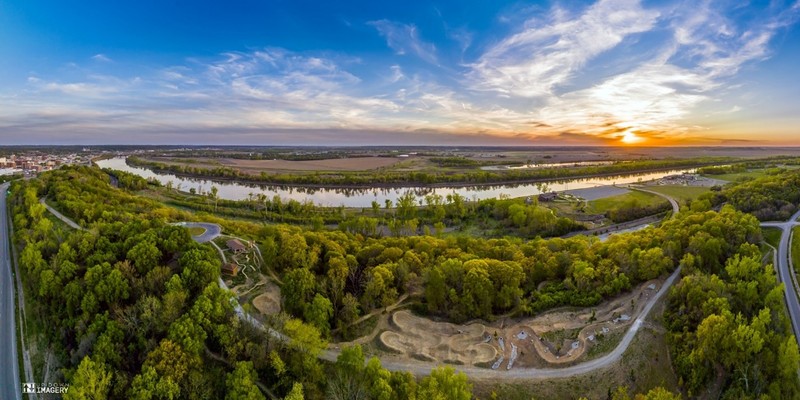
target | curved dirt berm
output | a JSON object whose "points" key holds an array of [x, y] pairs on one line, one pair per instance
{"points": [[421, 338]]}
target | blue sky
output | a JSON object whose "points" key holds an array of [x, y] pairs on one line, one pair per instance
{"points": [[367, 72]]}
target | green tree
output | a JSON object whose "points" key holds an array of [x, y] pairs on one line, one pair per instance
{"points": [[478, 293], [240, 384], [296, 393], [298, 288], [214, 196], [378, 380], [445, 384], [90, 381], [319, 313], [145, 256]]}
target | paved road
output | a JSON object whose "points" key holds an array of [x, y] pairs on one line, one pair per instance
{"points": [[9, 366], [675, 206], [212, 230], [60, 216], [786, 270]]}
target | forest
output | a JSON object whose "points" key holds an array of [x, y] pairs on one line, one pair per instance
{"points": [[137, 313], [774, 197]]}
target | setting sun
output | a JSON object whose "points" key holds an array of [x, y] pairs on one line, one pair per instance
{"points": [[630, 138]]}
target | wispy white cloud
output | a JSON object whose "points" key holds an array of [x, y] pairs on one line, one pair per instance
{"points": [[404, 39], [101, 57], [544, 55]]}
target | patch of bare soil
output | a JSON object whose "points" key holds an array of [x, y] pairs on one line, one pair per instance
{"points": [[420, 339], [557, 338], [268, 302]]}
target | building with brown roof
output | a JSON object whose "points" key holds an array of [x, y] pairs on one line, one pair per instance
{"points": [[230, 269], [236, 246]]}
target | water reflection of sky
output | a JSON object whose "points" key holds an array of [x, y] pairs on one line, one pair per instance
{"points": [[363, 197]]}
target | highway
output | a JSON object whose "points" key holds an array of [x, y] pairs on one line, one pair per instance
{"points": [[786, 270], [9, 366]]}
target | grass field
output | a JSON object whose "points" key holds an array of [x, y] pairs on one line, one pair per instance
{"points": [[196, 230], [600, 206], [772, 236], [680, 193]]}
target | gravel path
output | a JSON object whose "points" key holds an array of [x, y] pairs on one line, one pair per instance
{"points": [[60, 216]]}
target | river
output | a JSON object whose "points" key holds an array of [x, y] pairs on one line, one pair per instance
{"points": [[363, 197]]}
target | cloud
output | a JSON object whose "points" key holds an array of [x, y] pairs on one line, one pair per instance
{"points": [[653, 99], [404, 39], [101, 57], [541, 57], [547, 82]]}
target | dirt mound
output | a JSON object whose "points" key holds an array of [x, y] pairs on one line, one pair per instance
{"points": [[268, 302], [421, 338]]}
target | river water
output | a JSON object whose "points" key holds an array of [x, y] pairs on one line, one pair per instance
{"points": [[363, 197]]}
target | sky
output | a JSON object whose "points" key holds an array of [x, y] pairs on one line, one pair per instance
{"points": [[275, 72]]}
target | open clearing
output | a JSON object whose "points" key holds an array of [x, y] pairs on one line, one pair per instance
{"points": [[196, 231], [557, 338], [600, 206], [680, 193]]}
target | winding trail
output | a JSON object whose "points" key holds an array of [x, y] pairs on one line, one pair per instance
{"points": [[423, 368]]}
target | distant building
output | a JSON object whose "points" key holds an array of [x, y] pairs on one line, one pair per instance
{"points": [[548, 196], [236, 246]]}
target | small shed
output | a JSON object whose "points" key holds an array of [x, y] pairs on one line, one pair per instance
{"points": [[230, 269], [236, 246]]}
